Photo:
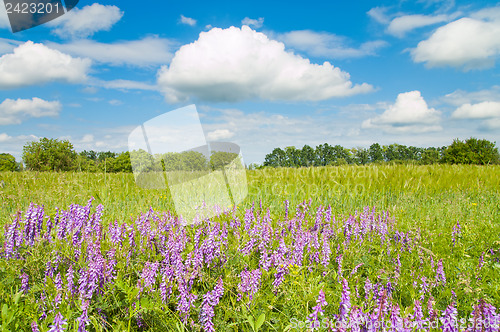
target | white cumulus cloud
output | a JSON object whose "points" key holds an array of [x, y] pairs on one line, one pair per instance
{"points": [[15, 111], [86, 21], [148, 51], [468, 43], [409, 113], [324, 44], [256, 23], [31, 64], [236, 64], [188, 20], [483, 110]]}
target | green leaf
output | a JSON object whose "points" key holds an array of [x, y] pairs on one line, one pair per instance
{"points": [[5, 311], [251, 322], [17, 297], [260, 321]]}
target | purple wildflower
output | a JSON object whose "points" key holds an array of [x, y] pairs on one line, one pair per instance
{"points": [[318, 309], [57, 325], [339, 263], [440, 277], [250, 283], [24, 282], [58, 282], [83, 320], [279, 276], [449, 319], [368, 288], [357, 320], [34, 327], [418, 317], [210, 300], [456, 233], [396, 320], [356, 268], [345, 302], [186, 300], [148, 275], [325, 251]]}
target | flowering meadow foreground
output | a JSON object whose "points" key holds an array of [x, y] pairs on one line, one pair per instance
{"points": [[242, 271]]}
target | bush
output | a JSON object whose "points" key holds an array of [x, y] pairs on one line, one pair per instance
{"points": [[8, 162], [472, 151], [50, 155]]}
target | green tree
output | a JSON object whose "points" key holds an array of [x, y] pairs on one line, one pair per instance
{"points": [[472, 151], [292, 156], [50, 155], [122, 163], [376, 153], [91, 155], [325, 154], [430, 156], [219, 159], [362, 156], [307, 156], [339, 152], [275, 159], [8, 162]]}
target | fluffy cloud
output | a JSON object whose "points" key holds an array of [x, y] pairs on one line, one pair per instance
{"points": [[252, 22], [144, 52], [468, 43], [403, 24], [484, 110], [32, 63], [13, 144], [187, 20], [324, 44], [219, 134], [409, 114], [86, 21], [15, 111], [235, 64]]}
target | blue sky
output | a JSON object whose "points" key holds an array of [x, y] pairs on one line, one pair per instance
{"points": [[262, 74]]}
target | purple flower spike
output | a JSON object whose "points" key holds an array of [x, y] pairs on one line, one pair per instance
{"points": [[210, 300], [250, 283], [440, 277], [24, 282], [345, 302], [318, 309], [34, 327], [57, 325], [449, 319]]}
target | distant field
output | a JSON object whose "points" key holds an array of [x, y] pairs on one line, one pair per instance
{"points": [[426, 201]]}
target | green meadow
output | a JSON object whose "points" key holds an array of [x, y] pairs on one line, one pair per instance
{"points": [[425, 201]]}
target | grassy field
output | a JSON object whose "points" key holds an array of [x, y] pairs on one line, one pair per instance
{"points": [[425, 202]]}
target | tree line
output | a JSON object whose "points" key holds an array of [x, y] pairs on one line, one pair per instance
{"points": [[471, 151], [59, 155]]}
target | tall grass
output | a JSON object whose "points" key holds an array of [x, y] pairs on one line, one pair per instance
{"points": [[421, 194], [427, 201]]}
